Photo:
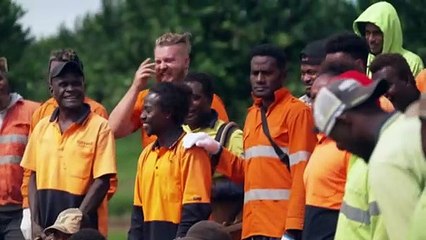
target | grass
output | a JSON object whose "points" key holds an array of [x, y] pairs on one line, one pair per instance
{"points": [[120, 206]]}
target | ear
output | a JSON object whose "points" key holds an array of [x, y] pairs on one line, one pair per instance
{"points": [[360, 64], [51, 90], [187, 63]]}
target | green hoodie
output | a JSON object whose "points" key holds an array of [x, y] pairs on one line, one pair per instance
{"points": [[383, 15]]}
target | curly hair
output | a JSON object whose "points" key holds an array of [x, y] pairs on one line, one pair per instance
{"points": [[395, 61], [174, 98]]}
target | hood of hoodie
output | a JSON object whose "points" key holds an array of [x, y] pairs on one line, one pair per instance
{"points": [[383, 15]]}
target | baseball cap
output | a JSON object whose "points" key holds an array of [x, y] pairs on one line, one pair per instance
{"points": [[313, 53], [207, 230], [3, 65], [56, 67], [68, 221], [331, 101]]}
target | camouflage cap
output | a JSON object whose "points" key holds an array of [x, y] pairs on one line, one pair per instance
{"points": [[68, 222]]}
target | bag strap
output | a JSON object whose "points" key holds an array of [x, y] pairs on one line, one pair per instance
{"points": [[281, 155], [222, 136]]}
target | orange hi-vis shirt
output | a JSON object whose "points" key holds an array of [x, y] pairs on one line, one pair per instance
{"points": [[172, 186], [217, 105], [274, 198], [13, 139], [46, 109], [325, 175], [67, 164]]}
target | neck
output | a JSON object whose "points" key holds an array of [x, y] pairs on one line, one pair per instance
{"points": [[4, 101], [375, 124], [167, 138], [203, 120], [67, 114], [266, 102]]}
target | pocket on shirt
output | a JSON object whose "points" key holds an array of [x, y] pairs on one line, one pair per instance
{"points": [[80, 165]]}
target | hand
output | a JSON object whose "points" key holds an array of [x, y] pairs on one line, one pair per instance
{"points": [[144, 72], [26, 224], [202, 140]]}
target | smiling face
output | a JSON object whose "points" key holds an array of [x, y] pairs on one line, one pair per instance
{"points": [[200, 104], [308, 74], [171, 62], [154, 120], [68, 90], [265, 76]]}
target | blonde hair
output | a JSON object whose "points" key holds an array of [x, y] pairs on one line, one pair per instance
{"points": [[170, 38]]}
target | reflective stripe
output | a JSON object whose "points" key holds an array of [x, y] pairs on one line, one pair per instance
{"points": [[13, 138], [359, 215], [10, 159], [268, 151], [266, 194], [298, 157], [262, 151]]}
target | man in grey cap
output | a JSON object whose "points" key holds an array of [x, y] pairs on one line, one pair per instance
{"points": [[350, 114], [311, 58]]}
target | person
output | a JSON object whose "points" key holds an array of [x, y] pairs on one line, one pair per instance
{"points": [[325, 173], [274, 196], [360, 126], [418, 109], [67, 223], [80, 181], [380, 26], [87, 234], [172, 185], [311, 58], [347, 46], [171, 64], [15, 117], [227, 197], [394, 68], [207, 230], [48, 107]]}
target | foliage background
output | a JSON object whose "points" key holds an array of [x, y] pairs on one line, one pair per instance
{"points": [[114, 41]]}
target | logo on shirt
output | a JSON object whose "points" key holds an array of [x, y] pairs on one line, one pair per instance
{"points": [[84, 144]]}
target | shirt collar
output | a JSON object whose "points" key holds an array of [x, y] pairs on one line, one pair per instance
{"points": [[84, 115], [279, 94], [174, 144]]}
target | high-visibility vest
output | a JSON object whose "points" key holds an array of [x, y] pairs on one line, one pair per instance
{"points": [[359, 216], [13, 139]]}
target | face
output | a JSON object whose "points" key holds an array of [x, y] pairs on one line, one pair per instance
{"points": [[171, 63], [265, 76], [200, 104], [68, 90], [374, 37], [4, 84], [153, 118], [308, 76], [398, 91]]}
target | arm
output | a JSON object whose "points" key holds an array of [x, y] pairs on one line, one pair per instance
{"points": [[302, 141], [121, 117], [95, 195], [231, 166], [196, 179]]}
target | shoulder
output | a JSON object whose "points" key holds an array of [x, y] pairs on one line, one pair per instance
{"points": [[93, 104], [295, 107], [411, 57]]}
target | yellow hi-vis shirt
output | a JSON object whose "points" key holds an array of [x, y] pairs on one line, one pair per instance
{"points": [[359, 216]]}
